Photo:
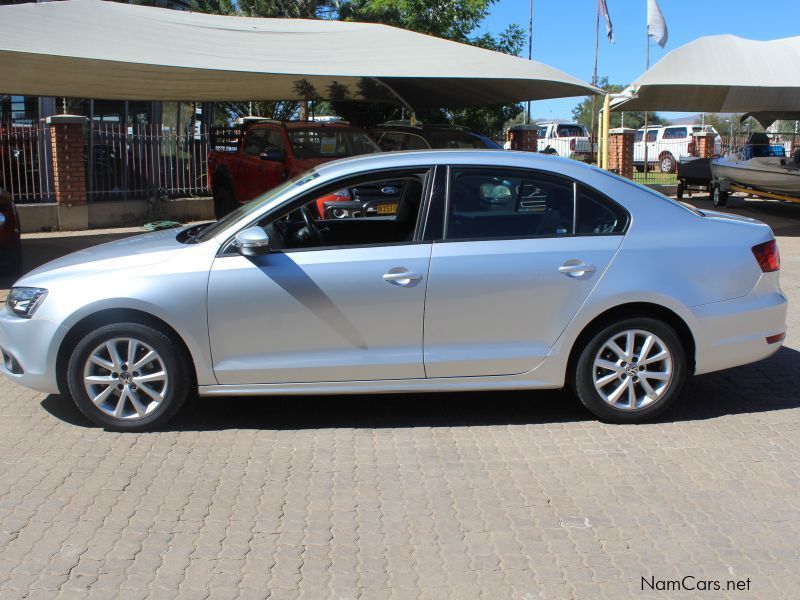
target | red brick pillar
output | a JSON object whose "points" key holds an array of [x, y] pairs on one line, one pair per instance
{"points": [[67, 140], [523, 137], [620, 151], [704, 144]]}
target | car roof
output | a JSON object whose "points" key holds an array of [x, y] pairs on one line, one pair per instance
{"points": [[422, 128], [300, 124]]}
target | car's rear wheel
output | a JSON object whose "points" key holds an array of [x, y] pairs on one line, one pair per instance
{"points": [[631, 371], [718, 197], [667, 163], [680, 190], [224, 200], [128, 377]]}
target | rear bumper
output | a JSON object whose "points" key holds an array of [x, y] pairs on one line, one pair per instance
{"points": [[31, 344], [734, 332]]}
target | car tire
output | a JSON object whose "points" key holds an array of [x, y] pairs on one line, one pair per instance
{"points": [[718, 197], [667, 163], [129, 397], [14, 264], [679, 191], [224, 200], [648, 385]]}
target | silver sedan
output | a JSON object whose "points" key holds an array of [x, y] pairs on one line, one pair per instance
{"points": [[480, 271]]}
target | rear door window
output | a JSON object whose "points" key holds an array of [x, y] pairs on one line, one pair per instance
{"points": [[675, 133], [491, 203], [255, 141], [570, 131], [395, 141]]}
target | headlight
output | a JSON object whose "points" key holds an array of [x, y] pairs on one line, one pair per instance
{"points": [[23, 301]]}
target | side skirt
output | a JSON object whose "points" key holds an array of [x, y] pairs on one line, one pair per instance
{"points": [[390, 386]]}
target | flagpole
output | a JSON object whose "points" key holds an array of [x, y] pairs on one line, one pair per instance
{"points": [[530, 57], [646, 114], [594, 73]]}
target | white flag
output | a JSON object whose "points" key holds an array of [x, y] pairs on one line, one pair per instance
{"points": [[602, 9], [656, 25]]}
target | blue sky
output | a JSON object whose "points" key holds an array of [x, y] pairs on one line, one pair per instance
{"points": [[563, 33]]}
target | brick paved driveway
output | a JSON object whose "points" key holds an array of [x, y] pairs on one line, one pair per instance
{"points": [[495, 496]]}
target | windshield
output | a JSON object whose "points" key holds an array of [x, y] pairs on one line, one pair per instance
{"points": [[450, 138], [570, 131], [251, 207], [330, 142]]}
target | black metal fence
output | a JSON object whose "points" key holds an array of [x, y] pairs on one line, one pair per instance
{"points": [[664, 153], [122, 162], [25, 162], [140, 161]]}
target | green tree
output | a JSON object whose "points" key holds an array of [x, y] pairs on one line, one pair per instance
{"points": [[582, 113], [451, 19], [442, 20]]}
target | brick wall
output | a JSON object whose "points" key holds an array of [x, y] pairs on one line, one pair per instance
{"points": [[620, 152], [705, 144], [523, 137], [69, 167]]}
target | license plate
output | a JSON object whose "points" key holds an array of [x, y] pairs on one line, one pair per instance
{"points": [[387, 209]]}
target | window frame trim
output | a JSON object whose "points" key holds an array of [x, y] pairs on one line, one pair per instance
{"points": [[308, 196], [576, 187]]}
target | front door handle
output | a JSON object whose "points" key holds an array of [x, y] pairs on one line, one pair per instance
{"points": [[577, 269], [401, 277]]}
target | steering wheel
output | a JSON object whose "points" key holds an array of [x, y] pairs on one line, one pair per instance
{"points": [[311, 226]]}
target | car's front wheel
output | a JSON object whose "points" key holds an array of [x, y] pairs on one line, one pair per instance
{"points": [[631, 371], [128, 377], [224, 200]]}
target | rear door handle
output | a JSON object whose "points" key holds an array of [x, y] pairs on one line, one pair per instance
{"points": [[576, 269], [403, 278]]}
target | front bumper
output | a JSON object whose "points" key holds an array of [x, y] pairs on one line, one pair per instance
{"points": [[734, 332], [33, 345]]}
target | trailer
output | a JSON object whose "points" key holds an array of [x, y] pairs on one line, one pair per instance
{"points": [[694, 174], [722, 190]]}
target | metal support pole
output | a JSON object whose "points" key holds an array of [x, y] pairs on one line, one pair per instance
{"points": [[530, 57], [90, 158], [606, 122], [600, 138], [646, 115]]}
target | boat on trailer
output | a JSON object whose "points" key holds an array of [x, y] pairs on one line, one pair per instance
{"points": [[759, 167]]}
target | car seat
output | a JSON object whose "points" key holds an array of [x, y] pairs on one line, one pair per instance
{"points": [[408, 207]]}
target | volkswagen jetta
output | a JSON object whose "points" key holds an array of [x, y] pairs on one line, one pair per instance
{"points": [[498, 270]]}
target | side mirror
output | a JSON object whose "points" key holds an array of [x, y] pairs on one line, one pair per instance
{"points": [[252, 241], [274, 154]]}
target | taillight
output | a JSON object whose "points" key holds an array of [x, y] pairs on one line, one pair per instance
{"points": [[768, 257], [572, 145]]}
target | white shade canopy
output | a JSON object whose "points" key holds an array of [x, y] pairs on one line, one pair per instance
{"points": [[721, 73], [94, 49]]}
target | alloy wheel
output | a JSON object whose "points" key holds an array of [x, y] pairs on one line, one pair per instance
{"points": [[632, 370], [125, 378]]}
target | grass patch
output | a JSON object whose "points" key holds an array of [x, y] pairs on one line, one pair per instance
{"points": [[656, 178]]}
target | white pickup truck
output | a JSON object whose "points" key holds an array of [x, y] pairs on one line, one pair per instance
{"points": [[666, 145], [564, 139]]}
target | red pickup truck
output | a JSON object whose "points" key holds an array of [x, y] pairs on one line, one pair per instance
{"points": [[248, 160]]}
